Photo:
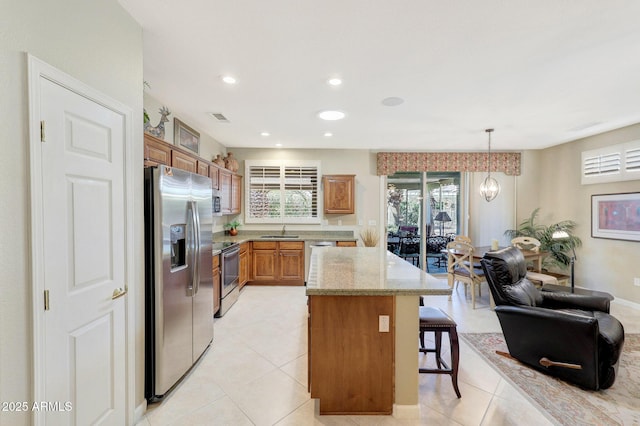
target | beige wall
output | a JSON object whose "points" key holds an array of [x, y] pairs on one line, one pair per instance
{"points": [[209, 147], [99, 44], [551, 181], [345, 161]]}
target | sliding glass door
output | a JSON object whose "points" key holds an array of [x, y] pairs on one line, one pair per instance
{"points": [[420, 206]]}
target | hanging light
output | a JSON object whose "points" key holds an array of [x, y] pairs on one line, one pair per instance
{"points": [[490, 188]]}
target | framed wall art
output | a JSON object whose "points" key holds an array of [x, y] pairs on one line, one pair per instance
{"points": [[185, 136], [616, 216]]}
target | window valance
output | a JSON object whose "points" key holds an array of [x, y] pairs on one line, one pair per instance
{"points": [[391, 162]]}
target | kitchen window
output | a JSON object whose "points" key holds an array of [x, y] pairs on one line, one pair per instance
{"points": [[282, 192]]}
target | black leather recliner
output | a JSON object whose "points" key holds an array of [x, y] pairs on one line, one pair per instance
{"points": [[567, 335]]}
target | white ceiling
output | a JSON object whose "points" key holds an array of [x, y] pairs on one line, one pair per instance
{"points": [[541, 72]]}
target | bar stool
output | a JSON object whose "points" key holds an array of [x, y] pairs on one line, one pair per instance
{"points": [[434, 319]]}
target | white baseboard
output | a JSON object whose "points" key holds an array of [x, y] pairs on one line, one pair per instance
{"points": [[138, 413], [406, 411], [625, 302]]}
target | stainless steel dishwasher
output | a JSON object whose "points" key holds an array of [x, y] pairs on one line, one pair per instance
{"points": [[308, 246]]}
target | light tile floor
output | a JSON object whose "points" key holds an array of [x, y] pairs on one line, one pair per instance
{"points": [[255, 372]]}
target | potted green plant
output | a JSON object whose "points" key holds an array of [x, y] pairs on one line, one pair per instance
{"points": [[558, 248], [232, 227]]}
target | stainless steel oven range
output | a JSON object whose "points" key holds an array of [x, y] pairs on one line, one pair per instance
{"points": [[230, 269]]}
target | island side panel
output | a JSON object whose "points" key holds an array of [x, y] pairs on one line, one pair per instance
{"points": [[352, 367], [407, 324]]}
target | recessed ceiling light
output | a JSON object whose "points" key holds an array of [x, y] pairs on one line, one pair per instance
{"points": [[392, 101], [229, 79], [278, 145], [331, 115], [335, 81], [265, 134], [328, 134]]}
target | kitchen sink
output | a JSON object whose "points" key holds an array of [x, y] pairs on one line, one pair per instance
{"points": [[279, 236]]}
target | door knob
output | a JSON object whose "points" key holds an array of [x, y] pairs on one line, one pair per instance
{"points": [[118, 292]]}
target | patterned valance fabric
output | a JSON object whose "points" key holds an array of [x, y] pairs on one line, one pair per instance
{"points": [[391, 162]]}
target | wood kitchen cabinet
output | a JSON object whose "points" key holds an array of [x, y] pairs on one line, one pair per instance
{"points": [[231, 192], [156, 151], [214, 174], [225, 191], [350, 361], [202, 168], [339, 194], [183, 161], [217, 276], [236, 194], [244, 264], [346, 244], [278, 262]]}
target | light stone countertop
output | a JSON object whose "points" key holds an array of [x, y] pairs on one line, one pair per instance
{"points": [[367, 271]]}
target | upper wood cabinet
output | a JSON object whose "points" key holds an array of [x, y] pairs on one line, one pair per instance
{"points": [[236, 194], [339, 194], [214, 174], [203, 168], [225, 189], [157, 151], [183, 161]]}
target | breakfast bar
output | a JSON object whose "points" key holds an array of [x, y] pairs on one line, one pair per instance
{"points": [[363, 329]]}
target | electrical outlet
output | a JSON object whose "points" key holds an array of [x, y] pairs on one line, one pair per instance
{"points": [[372, 223], [383, 323], [339, 222], [360, 222], [636, 281]]}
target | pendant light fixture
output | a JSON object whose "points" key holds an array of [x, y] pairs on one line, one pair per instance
{"points": [[490, 188]]}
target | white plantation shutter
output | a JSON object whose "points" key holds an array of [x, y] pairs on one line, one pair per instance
{"points": [[264, 192], [282, 193], [632, 160], [611, 164], [602, 164], [300, 192]]}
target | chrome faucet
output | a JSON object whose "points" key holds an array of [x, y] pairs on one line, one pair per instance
{"points": [[283, 229]]}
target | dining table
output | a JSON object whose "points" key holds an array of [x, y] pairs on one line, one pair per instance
{"points": [[535, 256]]}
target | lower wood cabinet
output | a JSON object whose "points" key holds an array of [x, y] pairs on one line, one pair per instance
{"points": [[351, 362], [346, 244], [216, 283], [244, 264], [278, 262]]}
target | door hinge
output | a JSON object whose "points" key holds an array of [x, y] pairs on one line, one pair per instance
{"points": [[42, 139], [46, 300]]}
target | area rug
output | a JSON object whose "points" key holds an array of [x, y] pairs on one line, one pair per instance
{"points": [[564, 403]]}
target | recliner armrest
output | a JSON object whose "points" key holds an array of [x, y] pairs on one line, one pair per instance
{"points": [[557, 300], [532, 333]]}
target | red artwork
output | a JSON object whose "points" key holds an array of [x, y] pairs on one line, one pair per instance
{"points": [[619, 215]]}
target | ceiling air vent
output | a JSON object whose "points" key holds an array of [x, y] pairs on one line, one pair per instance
{"points": [[220, 117]]}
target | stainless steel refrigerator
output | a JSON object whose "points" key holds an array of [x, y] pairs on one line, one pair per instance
{"points": [[178, 275]]}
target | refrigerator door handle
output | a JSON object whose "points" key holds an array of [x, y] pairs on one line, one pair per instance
{"points": [[192, 241], [196, 275]]}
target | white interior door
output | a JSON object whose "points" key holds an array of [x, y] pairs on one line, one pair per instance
{"points": [[83, 241]]}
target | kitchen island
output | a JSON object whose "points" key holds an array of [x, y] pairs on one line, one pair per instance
{"points": [[363, 330]]}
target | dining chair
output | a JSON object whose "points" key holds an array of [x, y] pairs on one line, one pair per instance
{"points": [[533, 244], [460, 269], [526, 243]]}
